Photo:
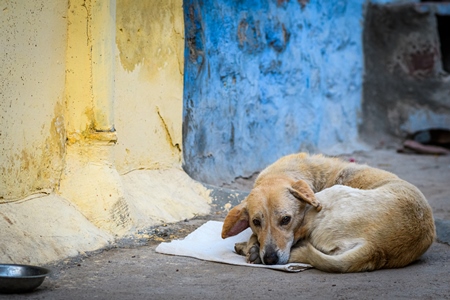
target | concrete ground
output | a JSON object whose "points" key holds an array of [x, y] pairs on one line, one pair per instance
{"points": [[133, 270]]}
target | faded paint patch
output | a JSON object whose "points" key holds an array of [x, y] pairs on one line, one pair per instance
{"points": [[147, 33], [148, 125], [421, 119], [37, 167], [94, 186], [89, 68], [149, 84], [78, 80], [32, 62], [417, 55]]}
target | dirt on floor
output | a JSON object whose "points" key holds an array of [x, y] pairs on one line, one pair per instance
{"points": [[133, 270]]}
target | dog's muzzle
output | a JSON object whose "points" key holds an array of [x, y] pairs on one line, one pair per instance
{"points": [[270, 256]]}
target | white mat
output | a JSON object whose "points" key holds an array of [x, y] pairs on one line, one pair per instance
{"points": [[206, 243]]}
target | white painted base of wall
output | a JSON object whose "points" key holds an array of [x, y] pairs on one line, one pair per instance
{"points": [[46, 229], [50, 228], [163, 196]]}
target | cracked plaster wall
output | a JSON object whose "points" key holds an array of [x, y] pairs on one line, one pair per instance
{"points": [[268, 78], [82, 108], [149, 84], [406, 88]]}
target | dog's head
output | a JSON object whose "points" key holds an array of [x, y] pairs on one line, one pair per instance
{"points": [[274, 210]]}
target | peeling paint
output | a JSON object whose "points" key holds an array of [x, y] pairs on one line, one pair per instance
{"points": [[268, 78], [32, 132], [59, 150], [149, 84], [145, 35]]}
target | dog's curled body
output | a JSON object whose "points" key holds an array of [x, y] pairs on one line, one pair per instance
{"points": [[337, 216]]}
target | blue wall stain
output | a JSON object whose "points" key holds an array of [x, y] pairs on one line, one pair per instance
{"points": [[267, 78]]}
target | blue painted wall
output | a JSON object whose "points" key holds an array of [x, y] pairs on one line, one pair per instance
{"points": [[268, 78]]}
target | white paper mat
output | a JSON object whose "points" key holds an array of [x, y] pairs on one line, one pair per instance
{"points": [[206, 243]]}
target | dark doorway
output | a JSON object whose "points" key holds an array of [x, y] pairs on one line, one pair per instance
{"points": [[443, 23]]}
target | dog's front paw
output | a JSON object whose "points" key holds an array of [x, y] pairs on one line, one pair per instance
{"points": [[253, 255], [240, 248]]}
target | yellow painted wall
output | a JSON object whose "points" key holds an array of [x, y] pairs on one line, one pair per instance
{"points": [[40, 100], [32, 70], [149, 84], [90, 125], [124, 88]]}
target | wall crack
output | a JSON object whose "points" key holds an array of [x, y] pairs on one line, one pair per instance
{"points": [[167, 131]]}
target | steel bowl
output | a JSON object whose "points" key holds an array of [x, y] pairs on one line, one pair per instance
{"points": [[21, 278]]}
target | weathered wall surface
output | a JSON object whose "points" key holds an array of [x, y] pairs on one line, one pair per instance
{"points": [[406, 88], [46, 229], [90, 180], [268, 78], [81, 111], [32, 63], [149, 84], [128, 92]]}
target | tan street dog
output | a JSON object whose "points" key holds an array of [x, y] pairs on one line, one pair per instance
{"points": [[335, 215]]}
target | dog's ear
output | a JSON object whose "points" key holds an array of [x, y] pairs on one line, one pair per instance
{"points": [[236, 221], [301, 190]]}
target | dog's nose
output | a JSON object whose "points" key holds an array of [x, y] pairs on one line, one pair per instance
{"points": [[270, 258]]}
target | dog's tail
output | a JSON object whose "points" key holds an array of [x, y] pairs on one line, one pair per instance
{"points": [[358, 259]]}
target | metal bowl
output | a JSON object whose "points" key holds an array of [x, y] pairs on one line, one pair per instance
{"points": [[21, 278]]}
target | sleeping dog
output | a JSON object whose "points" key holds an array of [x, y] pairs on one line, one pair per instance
{"points": [[335, 215]]}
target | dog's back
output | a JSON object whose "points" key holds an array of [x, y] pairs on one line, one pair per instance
{"points": [[322, 172]]}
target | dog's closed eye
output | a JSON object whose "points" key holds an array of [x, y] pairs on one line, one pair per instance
{"points": [[285, 220]]}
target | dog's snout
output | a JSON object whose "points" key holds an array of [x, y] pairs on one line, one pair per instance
{"points": [[270, 256]]}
